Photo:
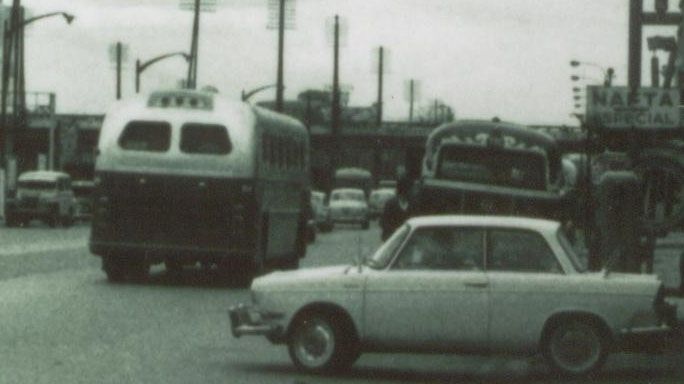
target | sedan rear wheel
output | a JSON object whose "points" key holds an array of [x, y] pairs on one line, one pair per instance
{"points": [[576, 347], [318, 344]]}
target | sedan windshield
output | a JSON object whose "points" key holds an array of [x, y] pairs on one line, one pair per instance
{"points": [[384, 254]]}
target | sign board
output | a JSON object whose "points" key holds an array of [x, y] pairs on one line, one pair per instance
{"points": [[618, 108]]}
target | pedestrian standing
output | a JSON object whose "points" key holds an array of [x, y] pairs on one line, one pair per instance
{"points": [[396, 210]]}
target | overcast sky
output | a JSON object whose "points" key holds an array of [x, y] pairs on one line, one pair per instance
{"points": [[484, 58]]}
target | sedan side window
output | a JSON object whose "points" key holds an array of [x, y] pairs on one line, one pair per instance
{"points": [[442, 248], [521, 251]]}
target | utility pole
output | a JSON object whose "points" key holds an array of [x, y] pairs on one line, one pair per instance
{"points": [[634, 41], [380, 70], [281, 41], [192, 68], [335, 118], [411, 96], [118, 70]]}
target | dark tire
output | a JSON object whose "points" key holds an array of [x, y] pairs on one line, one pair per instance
{"points": [[138, 270], [239, 274], [68, 220], [114, 268], [11, 220], [290, 264], [53, 218], [173, 267], [365, 224], [326, 227], [320, 343], [575, 347]]}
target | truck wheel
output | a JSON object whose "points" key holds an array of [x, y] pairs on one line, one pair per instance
{"points": [[173, 267], [366, 224], [575, 347], [318, 344]]}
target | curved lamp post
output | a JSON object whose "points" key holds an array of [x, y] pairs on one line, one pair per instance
{"points": [[7, 38], [67, 16], [140, 67], [247, 95]]}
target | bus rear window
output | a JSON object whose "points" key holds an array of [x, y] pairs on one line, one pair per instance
{"points": [[153, 136], [208, 139]]}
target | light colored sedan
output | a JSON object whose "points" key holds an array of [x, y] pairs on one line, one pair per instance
{"points": [[349, 205], [461, 284]]}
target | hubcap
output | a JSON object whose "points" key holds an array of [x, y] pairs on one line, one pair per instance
{"points": [[314, 343], [576, 347]]}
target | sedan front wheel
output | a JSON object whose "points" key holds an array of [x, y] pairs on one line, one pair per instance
{"points": [[318, 344], [576, 347]]}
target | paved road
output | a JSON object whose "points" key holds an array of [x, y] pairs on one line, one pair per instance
{"points": [[63, 323]]}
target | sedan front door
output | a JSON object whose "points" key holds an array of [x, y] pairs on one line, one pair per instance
{"points": [[434, 296]]}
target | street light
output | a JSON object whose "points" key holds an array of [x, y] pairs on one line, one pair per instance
{"points": [[67, 16], [10, 40], [247, 95], [140, 67], [608, 74], [577, 78]]}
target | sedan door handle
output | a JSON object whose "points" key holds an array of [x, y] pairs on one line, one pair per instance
{"points": [[477, 284]]}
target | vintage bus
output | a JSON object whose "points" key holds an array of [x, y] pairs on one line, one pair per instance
{"points": [[186, 177]]}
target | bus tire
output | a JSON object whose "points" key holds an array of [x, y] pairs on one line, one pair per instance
{"points": [[114, 268]]}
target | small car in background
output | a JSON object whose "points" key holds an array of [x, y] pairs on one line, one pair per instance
{"points": [[43, 195], [349, 206], [83, 192], [321, 212], [491, 284], [377, 200]]}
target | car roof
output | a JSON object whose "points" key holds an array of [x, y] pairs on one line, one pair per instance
{"points": [[42, 176], [484, 221]]}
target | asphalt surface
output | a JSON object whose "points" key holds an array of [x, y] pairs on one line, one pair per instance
{"points": [[62, 322]]}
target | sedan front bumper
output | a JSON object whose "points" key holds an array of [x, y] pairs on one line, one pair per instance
{"points": [[657, 339], [249, 320]]}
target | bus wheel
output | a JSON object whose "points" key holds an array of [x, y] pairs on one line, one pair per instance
{"points": [[114, 268]]}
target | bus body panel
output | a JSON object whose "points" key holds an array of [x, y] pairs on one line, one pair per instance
{"points": [[247, 204]]}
